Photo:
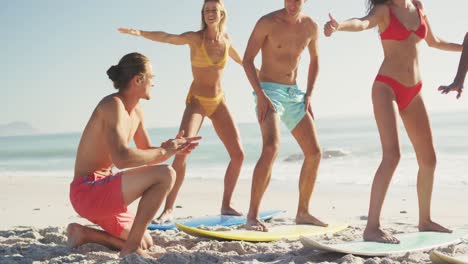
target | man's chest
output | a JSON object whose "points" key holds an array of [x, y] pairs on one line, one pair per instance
{"points": [[290, 39]]}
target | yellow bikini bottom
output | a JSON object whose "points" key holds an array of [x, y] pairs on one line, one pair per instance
{"points": [[208, 104]]}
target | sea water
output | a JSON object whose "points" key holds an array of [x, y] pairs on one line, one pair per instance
{"points": [[351, 152]]}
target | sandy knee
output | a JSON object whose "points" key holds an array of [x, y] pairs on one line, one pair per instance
{"points": [[75, 235], [73, 228]]}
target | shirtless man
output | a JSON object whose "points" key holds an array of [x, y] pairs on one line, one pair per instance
{"points": [[457, 84], [282, 36], [102, 196]]}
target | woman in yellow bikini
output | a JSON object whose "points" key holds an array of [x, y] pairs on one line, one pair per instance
{"points": [[209, 51]]}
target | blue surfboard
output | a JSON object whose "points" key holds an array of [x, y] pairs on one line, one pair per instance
{"points": [[215, 220]]}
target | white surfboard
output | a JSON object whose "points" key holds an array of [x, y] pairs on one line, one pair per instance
{"points": [[409, 242]]}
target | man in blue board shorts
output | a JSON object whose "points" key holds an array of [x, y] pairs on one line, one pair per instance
{"points": [[282, 36]]}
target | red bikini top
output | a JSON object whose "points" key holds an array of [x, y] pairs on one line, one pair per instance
{"points": [[397, 31]]}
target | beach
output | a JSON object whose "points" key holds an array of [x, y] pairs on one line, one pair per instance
{"points": [[35, 212], [62, 62], [36, 170]]}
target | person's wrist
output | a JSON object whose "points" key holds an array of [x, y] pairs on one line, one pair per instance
{"points": [[164, 150], [459, 81], [261, 95]]}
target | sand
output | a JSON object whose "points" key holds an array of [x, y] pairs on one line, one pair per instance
{"points": [[34, 213]]}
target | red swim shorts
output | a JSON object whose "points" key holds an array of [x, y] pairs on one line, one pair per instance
{"points": [[99, 199]]}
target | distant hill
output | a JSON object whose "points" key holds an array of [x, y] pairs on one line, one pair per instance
{"points": [[17, 129]]}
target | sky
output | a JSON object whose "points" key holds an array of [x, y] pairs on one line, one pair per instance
{"points": [[55, 55]]}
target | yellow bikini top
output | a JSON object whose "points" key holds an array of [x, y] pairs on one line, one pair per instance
{"points": [[202, 60]]}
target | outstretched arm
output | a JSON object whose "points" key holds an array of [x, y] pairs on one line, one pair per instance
{"points": [[375, 17], [432, 40], [159, 36], [457, 84], [435, 42]]}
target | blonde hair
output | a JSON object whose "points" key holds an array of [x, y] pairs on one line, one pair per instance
{"points": [[222, 23]]}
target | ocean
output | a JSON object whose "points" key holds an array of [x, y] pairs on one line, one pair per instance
{"points": [[350, 145]]}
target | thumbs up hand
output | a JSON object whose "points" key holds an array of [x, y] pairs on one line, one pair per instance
{"points": [[331, 26]]}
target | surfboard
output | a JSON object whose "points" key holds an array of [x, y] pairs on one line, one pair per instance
{"points": [[409, 242], [215, 220], [292, 232], [439, 257]]}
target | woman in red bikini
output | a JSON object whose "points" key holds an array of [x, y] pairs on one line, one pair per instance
{"points": [[402, 24]]}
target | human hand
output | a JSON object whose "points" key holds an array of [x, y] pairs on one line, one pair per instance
{"points": [[331, 26], [180, 145], [456, 87], [192, 143], [134, 32], [308, 105], [264, 105]]}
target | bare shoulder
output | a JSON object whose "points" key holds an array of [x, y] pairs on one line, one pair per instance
{"points": [[380, 8], [310, 23], [227, 37], [381, 11], [110, 105], [272, 15], [268, 20], [191, 36], [197, 34], [196, 38], [112, 100]]}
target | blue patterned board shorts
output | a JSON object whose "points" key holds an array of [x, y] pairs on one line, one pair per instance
{"points": [[288, 101]]}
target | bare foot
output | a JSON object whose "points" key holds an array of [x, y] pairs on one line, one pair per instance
{"points": [[76, 235], [255, 225], [124, 252], [378, 235], [166, 216], [432, 226], [230, 211], [307, 219]]}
